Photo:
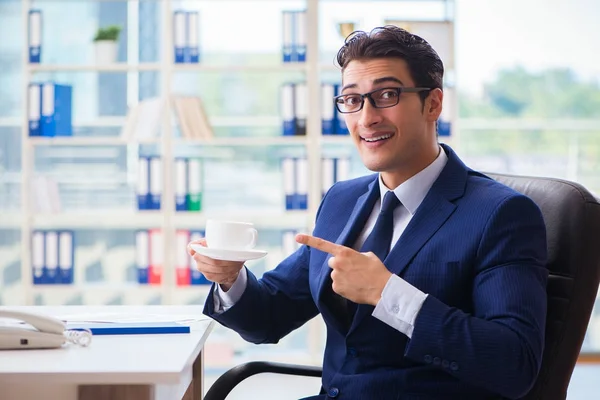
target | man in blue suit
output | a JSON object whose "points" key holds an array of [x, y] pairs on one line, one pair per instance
{"points": [[430, 277]]}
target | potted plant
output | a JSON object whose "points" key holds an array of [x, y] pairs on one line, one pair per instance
{"points": [[105, 42]]}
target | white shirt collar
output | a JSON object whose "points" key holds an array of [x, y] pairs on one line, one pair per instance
{"points": [[412, 192]]}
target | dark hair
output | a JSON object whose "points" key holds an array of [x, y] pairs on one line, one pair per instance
{"points": [[424, 64]]}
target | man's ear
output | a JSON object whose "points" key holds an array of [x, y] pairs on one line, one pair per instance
{"points": [[433, 104]]}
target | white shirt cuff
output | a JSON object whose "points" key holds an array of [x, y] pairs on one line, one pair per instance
{"points": [[225, 300], [399, 305]]}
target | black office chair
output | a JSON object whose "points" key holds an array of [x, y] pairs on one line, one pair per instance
{"points": [[572, 216]]}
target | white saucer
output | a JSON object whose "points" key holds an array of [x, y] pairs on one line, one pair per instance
{"points": [[229, 255]]}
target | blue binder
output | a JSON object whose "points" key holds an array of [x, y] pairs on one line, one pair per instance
{"points": [[130, 328], [444, 128], [56, 110]]}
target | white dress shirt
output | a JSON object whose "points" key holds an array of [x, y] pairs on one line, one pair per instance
{"points": [[400, 301]]}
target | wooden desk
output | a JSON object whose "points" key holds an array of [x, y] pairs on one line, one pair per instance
{"points": [[127, 367]]}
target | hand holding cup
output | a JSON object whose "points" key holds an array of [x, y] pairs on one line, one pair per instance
{"points": [[225, 235]]}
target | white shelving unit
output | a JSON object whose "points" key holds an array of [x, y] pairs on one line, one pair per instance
{"points": [[313, 145], [167, 218]]}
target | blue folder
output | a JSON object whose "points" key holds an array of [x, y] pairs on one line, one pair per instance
{"points": [[130, 328]]}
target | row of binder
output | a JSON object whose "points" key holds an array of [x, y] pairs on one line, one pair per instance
{"points": [[294, 37], [150, 258], [294, 109], [295, 182], [186, 36], [149, 183], [188, 183], [332, 122], [185, 267], [52, 257], [295, 178], [50, 109]]}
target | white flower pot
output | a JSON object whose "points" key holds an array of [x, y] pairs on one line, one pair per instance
{"points": [[106, 51]]}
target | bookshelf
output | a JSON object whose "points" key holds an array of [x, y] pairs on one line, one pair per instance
{"points": [[108, 224]]}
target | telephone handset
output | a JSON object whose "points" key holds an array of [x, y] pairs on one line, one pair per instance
{"points": [[34, 331]]}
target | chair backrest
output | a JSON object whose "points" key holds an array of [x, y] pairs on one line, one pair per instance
{"points": [[572, 217]]}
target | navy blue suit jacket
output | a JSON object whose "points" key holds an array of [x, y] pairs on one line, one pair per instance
{"points": [[476, 247]]}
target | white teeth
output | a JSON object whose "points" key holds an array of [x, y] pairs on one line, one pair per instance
{"points": [[375, 139]]}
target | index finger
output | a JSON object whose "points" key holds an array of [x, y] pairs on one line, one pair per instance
{"points": [[319, 244]]}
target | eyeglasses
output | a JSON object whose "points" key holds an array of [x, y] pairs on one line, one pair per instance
{"points": [[380, 98]]}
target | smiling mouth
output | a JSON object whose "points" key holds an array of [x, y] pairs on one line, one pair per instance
{"points": [[377, 138]]}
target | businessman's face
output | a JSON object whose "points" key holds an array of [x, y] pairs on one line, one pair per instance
{"points": [[397, 141]]}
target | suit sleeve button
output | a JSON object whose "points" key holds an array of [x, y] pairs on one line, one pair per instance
{"points": [[333, 392], [454, 366], [428, 359], [436, 361], [445, 363]]}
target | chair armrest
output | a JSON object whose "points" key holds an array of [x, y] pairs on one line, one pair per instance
{"points": [[230, 379]]}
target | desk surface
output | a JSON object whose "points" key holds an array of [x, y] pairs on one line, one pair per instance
{"points": [[126, 359]]}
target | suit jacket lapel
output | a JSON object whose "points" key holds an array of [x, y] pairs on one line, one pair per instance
{"points": [[433, 212], [355, 224]]}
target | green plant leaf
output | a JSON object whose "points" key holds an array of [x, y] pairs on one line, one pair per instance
{"points": [[108, 33]]}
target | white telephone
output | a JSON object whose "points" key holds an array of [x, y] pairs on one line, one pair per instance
{"points": [[31, 331]]}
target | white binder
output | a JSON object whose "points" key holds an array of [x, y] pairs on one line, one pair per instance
{"points": [[66, 257], [182, 258], [287, 35], [327, 109], [301, 108], [289, 181], [143, 183], [300, 37], [156, 183], [179, 35], [38, 257], [142, 255], [288, 114], [192, 39], [301, 202], [51, 257], [35, 36], [180, 184], [34, 108]]}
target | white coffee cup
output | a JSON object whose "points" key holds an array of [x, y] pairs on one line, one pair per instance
{"points": [[230, 235]]}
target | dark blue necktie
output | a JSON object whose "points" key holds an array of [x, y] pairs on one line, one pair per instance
{"points": [[380, 238]]}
